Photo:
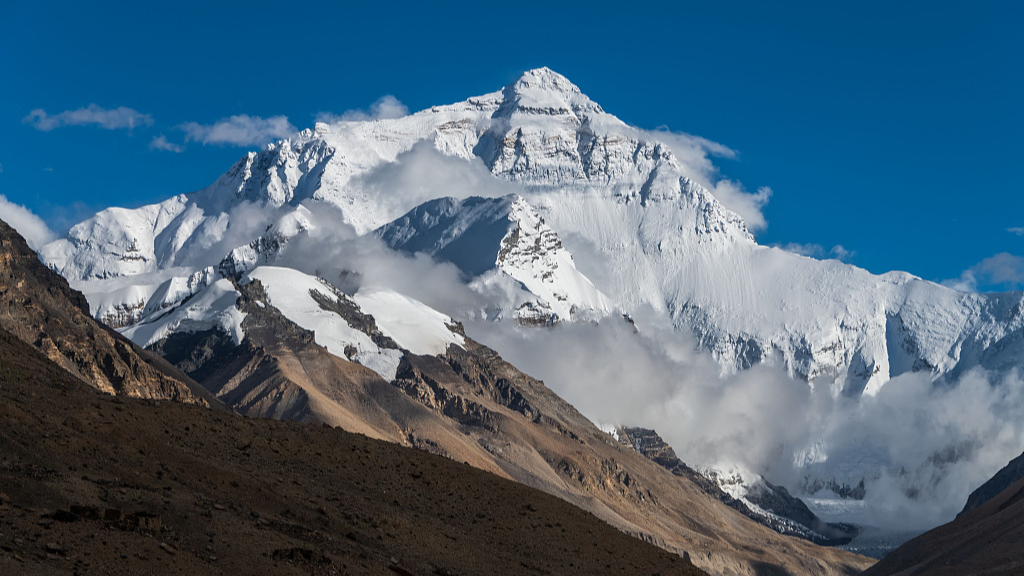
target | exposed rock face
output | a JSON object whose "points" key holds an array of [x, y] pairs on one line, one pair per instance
{"points": [[38, 306], [494, 401]]}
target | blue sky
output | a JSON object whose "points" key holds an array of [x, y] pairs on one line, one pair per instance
{"points": [[891, 131]]}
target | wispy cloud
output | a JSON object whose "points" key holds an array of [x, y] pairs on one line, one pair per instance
{"points": [[32, 227], [817, 251], [385, 108], [240, 130], [1004, 270], [695, 154], [1, 168], [1018, 230], [92, 115], [161, 143], [749, 205]]}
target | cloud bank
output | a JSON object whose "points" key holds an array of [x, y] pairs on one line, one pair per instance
{"points": [[32, 227], [240, 130], [92, 115], [923, 445], [423, 174]]}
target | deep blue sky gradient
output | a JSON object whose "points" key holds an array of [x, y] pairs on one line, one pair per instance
{"points": [[893, 129]]}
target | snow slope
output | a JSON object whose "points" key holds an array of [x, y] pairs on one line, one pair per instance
{"points": [[292, 293], [412, 324], [214, 307], [300, 298]]}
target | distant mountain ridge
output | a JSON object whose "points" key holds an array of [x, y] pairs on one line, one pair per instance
{"points": [[1002, 480]]}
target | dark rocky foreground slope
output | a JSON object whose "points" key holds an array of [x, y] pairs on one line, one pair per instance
{"points": [[986, 538], [95, 484], [38, 307]]}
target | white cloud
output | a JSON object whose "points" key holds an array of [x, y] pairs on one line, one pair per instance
{"points": [[385, 108], [1019, 231], [1003, 269], [748, 205], [840, 253], [32, 227], [423, 174], [161, 143], [240, 130], [923, 446], [817, 251], [91, 115], [695, 154]]}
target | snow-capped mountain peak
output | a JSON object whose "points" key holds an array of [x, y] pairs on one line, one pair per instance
{"points": [[544, 91], [642, 232]]}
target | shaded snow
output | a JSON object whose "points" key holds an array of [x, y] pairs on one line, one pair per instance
{"points": [[213, 307]]}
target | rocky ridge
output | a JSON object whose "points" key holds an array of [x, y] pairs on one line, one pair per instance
{"points": [[38, 307]]}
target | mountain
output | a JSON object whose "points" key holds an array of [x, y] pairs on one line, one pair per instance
{"points": [[551, 210], [38, 307], [984, 539], [188, 490], [447, 395]]}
